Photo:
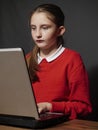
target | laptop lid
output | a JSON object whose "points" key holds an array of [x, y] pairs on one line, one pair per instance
{"points": [[17, 100], [16, 95]]}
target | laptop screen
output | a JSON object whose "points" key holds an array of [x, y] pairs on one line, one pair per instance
{"points": [[16, 95]]}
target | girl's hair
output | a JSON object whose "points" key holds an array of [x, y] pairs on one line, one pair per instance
{"points": [[56, 15]]}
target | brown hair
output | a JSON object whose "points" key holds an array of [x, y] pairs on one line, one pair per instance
{"points": [[57, 16]]}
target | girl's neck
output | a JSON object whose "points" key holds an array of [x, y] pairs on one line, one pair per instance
{"points": [[47, 52]]}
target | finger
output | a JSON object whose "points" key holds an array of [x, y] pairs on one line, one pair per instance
{"points": [[40, 110]]}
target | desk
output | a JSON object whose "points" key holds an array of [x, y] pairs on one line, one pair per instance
{"points": [[69, 125]]}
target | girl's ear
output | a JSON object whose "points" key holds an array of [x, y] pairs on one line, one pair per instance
{"points": [[61, 30]]}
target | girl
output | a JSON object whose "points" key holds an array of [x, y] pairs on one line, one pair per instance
{"points": [[58, 75]]}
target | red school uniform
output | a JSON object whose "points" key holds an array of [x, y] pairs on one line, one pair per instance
{"points": [[64, 83]]}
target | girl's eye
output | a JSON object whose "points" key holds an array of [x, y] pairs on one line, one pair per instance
{"points": [[45, 27], [33, 27]]}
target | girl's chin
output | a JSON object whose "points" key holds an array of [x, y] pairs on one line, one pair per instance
{"points": [[42, 46]]}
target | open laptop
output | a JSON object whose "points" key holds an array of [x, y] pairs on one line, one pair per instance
{"points": [[17, 101]]}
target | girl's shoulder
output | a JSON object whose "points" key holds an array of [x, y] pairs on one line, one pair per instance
{"points": [[71, 52], [72, 55]]}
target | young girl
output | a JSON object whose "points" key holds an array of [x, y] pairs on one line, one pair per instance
{"points": [[58, 75]]}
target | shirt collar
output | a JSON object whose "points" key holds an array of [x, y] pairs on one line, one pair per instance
{"points": [[53, 56]]}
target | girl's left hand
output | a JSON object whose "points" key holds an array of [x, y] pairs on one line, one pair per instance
{"points": [[44, 106]]}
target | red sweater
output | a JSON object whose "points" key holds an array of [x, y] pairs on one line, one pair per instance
{"points": [[64, 83]]}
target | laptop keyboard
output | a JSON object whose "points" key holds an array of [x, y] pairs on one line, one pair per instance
{"points": [[49, 115]]}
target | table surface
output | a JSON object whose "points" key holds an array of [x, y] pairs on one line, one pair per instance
{"points": [[68, 125]]}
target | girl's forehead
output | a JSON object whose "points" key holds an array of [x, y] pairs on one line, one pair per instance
{"points": [[41, 16]]}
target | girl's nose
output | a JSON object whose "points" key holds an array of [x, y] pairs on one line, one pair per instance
{"points": [[38, 33]]}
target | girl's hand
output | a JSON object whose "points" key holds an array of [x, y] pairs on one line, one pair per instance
{"points": [[44, 106]]}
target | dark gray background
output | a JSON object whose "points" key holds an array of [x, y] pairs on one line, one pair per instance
{"points": [[81, 35]]}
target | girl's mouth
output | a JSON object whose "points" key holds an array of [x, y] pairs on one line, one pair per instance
{"points": [[39, 41]]}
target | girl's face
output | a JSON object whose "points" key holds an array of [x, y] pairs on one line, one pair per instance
{"points": [[44, 32]]}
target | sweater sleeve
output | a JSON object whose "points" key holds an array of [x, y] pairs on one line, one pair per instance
{"points": [[79, 100], [73, 109]]}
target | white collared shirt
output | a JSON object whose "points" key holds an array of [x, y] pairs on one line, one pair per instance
{"points": [[58, 52]]}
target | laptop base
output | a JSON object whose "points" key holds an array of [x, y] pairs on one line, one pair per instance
{"points": [[29, 122]]}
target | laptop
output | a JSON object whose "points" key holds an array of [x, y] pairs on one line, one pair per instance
{"points": [[18, 105]]}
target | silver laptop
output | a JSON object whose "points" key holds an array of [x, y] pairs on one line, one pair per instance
{"points": [[17, 101]]}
